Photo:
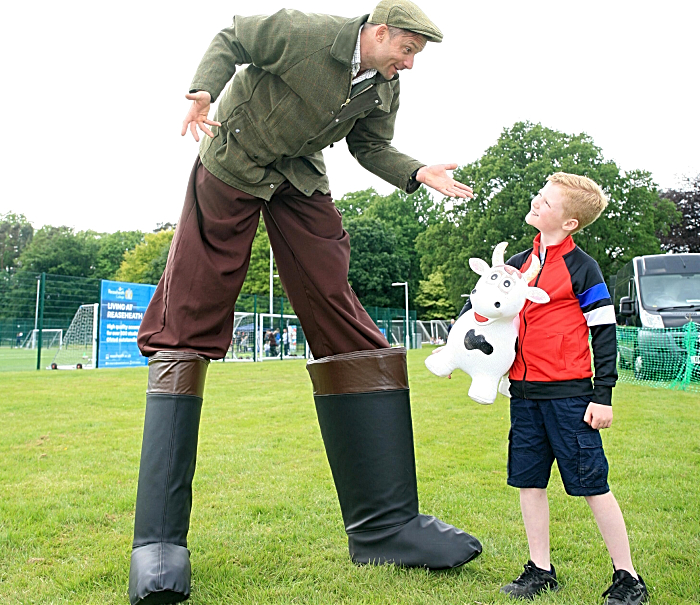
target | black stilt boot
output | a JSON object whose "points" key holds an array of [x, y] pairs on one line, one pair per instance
{"points": [[160, 561], [363, 408]]}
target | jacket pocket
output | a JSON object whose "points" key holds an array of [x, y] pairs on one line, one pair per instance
{"points": [[285, 108], [243, 131], [315, 163], [555, 348], [592, 465]]}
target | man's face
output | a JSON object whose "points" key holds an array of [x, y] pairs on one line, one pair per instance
{"points": [[547, 209], [394, 54]]}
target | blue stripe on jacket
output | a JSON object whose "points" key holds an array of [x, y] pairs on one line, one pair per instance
{"points": [[593, 295]]}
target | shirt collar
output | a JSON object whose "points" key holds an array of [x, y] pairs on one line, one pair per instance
{"points": [[355, 67], [557, 250]]}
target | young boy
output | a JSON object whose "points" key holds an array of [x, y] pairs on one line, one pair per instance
{"points": [[556, 412]]}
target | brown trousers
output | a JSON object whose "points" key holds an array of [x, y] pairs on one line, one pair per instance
{"points": [[192, 308]]}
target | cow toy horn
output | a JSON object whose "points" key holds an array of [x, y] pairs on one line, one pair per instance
{"points": [[533, 270], [498, 254]]}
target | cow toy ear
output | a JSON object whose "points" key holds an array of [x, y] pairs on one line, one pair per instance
{"points": [[537, 295], [479, 266]]}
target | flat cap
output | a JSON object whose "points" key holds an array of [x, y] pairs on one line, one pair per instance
{"points": [[405, 15]]}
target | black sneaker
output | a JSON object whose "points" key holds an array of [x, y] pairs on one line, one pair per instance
{"points": [[531, 582], [626, 590]]}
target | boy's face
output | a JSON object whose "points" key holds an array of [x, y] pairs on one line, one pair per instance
{"points": [[547, 211]]}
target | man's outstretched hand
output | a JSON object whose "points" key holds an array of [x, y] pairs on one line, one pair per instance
{"points": [[436, 177], [198, 114]]}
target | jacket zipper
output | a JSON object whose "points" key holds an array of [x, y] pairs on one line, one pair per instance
{"points": [[522, 344], [357, 95]]}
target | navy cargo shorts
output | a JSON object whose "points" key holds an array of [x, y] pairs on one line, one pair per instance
{"points": [[542, 430]]}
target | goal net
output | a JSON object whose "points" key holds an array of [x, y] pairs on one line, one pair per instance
{"points": [[243, 338], [79, 347], [50, 339]]}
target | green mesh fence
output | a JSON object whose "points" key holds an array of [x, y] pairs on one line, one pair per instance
{"points": [[36, 312], [668, 358], [392, 323], [41, 313]]}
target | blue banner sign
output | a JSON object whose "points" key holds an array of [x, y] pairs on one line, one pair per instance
{"points": [[121, 311]]}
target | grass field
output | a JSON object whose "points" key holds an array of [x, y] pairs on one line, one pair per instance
{"points": [[266, 525], [16, 359]]}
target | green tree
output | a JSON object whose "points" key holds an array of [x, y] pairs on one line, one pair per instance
{"points": [[111, 250], [146, 262], [509, 175], [407, 216], [61, 251], [257, 279], [374, 264], [432, 297], [356, 203], [15, 234], [684, 236]]}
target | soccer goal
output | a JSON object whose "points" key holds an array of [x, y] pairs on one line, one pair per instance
{"points": [[50, 339], [243, 338], [79, 347]]}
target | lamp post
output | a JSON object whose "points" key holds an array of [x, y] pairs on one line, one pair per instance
{"points": [[271, 280], [405, 285], [271, 309]]}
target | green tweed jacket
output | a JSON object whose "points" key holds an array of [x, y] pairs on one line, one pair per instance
{"points": [[292, 100]]}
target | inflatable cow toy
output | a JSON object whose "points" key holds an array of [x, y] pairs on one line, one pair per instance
{"points": [[482, 340]]}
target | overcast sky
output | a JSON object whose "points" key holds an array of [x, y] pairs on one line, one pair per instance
{"points": [[94, 94]]}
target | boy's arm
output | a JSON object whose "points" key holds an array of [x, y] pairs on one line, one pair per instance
{"points": [[599, 414], [597, 308]]}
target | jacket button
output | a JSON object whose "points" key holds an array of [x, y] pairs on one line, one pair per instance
{"points": [[272, 186], [255, 156], [306, 190], [337, 120], [332, 112], [376, 100], [238, 130]]}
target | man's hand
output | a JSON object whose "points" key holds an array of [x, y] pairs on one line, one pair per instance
{"points": [[198, 114], [436, 177], [598, 416]]}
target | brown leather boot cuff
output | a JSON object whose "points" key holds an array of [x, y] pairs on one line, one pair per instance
{"points": [[359, 372], [177, 373]]}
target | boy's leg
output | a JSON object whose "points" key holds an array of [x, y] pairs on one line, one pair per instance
{"points": [[530, 459], [535, 509], [611, 524]]}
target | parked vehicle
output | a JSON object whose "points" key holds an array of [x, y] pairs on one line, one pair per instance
{"points": [[653, 293]]}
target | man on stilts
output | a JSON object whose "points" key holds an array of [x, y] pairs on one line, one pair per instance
{"points": [[311, 80]]}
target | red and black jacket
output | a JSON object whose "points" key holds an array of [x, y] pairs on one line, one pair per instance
{"points": [[553, 358]]}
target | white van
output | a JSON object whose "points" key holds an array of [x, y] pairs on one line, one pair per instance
{"points": [[655, 292]]}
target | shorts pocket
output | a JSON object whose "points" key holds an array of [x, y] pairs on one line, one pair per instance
{"points": [[592, 464], [510, 446]]}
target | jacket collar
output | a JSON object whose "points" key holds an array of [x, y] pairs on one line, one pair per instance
{"points": [[554, 251], [344, 46]]}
